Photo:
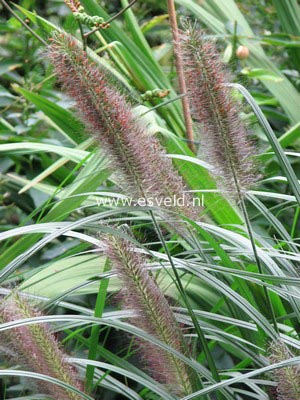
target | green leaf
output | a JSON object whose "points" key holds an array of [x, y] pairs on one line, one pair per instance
{"points": [[244, 378], [289, 138], [42, 377], [32, 147], [288, 13], [282, 158], [91, 176], [153, 386], [281, 39], [153, 22], [61, 117], [63, 275], [261, 74]]}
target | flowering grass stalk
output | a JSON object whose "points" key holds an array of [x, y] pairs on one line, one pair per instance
{"points": [[108, 116], [288, 378], [35, 348], [225, 139], [154, 315]]}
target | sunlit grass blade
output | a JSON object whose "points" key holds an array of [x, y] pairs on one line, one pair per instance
{"points": [[282, 158]]}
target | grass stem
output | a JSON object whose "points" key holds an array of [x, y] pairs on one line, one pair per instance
{"points": [[106, 23], [23, 23], [180, 74], [95, 330]]}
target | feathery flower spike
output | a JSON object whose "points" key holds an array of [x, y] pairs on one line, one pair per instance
{"points": [[288, 378], [224, 137], [107, 114], [35, 348], [154, 315]]}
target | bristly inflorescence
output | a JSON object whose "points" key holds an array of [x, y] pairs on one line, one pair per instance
{"points": [[225, 140], [35, 347], [288, 378], [109, 117], [154, 315]]}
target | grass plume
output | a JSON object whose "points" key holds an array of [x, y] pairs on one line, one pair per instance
{"points": [[224, 136], [154, 315], [225, 141], [108, 116], [35, 348], [288, 378]]}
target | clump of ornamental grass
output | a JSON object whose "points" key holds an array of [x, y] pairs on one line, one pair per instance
{"points": [[135, 153], [225, 141], [35, 348], [288, 378], [154, 315]]}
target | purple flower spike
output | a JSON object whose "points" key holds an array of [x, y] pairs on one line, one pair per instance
{"points": [[154, 315], [225, 142], [135, 153], [35, 348]]}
